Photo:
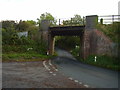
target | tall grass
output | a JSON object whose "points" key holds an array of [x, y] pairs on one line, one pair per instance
{"points": [[103, 61]]}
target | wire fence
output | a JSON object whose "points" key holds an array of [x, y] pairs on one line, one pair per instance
{"points": [[61, 21], [108, 19], [103, 19]]}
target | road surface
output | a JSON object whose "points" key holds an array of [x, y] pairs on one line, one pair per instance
{"points": [[34, 75], [89, 75]]}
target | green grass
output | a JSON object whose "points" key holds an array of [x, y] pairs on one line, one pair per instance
{"points": [[103, 61], [20, 53], [9, 57]]}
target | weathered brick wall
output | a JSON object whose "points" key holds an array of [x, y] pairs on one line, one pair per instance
{"points": [[45, 36], [86, 44], [97, 43]]}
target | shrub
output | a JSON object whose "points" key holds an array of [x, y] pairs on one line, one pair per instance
{"points": [[111, 30]]}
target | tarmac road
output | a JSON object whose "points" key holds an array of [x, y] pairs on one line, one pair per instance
{"points": [[92, 76], [34, 74]]}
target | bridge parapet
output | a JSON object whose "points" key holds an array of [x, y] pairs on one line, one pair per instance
{"points": [[91, 22], [44, 27]]}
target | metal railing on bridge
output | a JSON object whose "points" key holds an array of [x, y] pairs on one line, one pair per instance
{"points": [[108, 19], [103, 19], [70, 22]]}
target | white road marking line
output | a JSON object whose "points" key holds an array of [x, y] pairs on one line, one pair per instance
{"points": [[70, 78], [86, 85], [52, 65], [56, 69], [51, 72], [45, 65], [80, 82], [76, 81], [54, 74], [50, 62]]}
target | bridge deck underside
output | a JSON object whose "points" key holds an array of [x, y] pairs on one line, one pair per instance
{"points": [[67, 31]]}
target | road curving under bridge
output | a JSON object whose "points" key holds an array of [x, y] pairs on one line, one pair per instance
{"points": [[89, 75]]}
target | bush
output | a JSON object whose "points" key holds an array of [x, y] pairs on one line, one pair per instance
{"points": [[9, 36], [76, 51], [111, 30], [12, 43], [33, 48]]}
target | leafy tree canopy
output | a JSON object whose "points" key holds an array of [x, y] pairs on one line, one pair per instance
{"points": [[31, 22], [27, 25], [76, 20], [47, 16], [8, 24]]}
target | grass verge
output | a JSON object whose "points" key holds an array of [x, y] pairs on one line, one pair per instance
{"points": [[12, 57], [103, 61]]}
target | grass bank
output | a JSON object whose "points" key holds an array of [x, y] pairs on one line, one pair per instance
{"points": [[102, 61], [13, 57]]}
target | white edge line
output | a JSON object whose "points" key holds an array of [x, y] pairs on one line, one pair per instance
{"points": [[86, 85], [45, 65], [52, 65], [51, 72], [50, 62], [54, 74], [56, 69], [80, 82], [70, 78], [76, 81]]}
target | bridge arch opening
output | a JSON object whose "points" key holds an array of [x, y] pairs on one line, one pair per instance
{"points": [[67, 32], [71, 44]]}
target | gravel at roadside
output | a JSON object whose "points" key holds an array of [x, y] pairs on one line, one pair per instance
{"points": [[33, 75]]}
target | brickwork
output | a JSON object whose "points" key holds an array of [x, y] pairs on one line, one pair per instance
{"points": [[86, 44], [97, 43]]}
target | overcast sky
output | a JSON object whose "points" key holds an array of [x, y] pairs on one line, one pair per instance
{"points": [[32, 9]]}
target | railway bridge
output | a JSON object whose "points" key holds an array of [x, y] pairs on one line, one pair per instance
{"points": [[88, 34]]}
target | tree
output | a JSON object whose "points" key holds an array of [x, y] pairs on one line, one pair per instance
{"points": [[8, 24], [47, 16], [23, 25], [28, 25], [31, 22], [9, 36], [76, 20], [32, 25]]}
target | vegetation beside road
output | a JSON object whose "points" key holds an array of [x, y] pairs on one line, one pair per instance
{"points": [[111, 30], [102, 61], [24, 48], [18, 57]]}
